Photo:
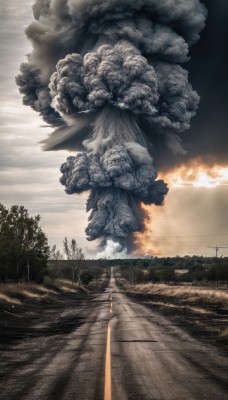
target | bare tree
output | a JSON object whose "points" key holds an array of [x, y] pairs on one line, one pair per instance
{"points": [[73, 253], [55, 256]]}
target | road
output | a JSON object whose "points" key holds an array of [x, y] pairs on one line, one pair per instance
{"points": [[149, 358]]}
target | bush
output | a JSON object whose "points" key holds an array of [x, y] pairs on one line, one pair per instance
{"points": [[86, 276]]}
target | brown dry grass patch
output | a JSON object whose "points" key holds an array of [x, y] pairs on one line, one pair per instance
{"points": [[66, 285], [224, 333], [191, 294], [15, 292]]}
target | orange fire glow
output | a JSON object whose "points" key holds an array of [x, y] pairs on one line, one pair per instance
{"points": [[143, 240], [195, 174]]}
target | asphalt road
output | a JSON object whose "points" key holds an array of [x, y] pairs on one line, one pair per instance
{"points": [[150, 357]]}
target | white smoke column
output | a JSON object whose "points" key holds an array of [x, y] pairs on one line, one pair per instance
{"points": [[112, 250], [106, 74]]}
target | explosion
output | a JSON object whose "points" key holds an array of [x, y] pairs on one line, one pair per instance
{"points": [[106, 74]]}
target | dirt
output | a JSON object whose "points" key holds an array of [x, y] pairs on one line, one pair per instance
{"points": [[35, 318], [56, 314]]}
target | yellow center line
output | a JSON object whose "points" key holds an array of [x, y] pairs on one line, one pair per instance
{"points": [[108, 379]]}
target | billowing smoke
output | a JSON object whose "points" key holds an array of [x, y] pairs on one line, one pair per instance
{"points": [[112, 249], [106, 74]]}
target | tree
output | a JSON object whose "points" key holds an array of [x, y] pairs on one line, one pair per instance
{"points": [[55, 256], [167, 275], [86, 276], [4, 234], [97, 272], [153, 276], [73, 253], [22, 245]]}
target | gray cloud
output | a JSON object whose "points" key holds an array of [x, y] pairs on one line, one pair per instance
{"points": [[115, 168], [36, 94], [107, 75], [111, 217], [116, 75], [161, 30]]}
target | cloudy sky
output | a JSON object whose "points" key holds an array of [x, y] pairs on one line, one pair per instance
{"points": [[195, 214]]}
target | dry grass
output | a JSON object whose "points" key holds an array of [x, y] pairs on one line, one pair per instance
{"points": [[7, 299], [66, 285], [15, 292], [224, 333], [191, 294]]}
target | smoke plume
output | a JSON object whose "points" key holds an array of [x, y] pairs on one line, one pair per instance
{"points": [[107, 75]]}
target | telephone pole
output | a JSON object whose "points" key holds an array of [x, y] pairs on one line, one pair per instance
{"points": [[217, 248]]}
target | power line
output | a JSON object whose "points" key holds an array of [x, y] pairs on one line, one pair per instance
{"points": [[158, 237], [194, 235], [217, 248]]}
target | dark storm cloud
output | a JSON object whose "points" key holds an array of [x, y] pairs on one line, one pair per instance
{"points": [[207, 137], [119, 76], [160, 29], [108, 72], [112, 216], [36, 94], [208, 72], [116, 75], [115, 168]]}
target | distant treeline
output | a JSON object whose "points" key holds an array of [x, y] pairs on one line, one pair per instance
{"points": [[186, 262], [80, 271], [214, 271], [26, 256], [170, 269]]}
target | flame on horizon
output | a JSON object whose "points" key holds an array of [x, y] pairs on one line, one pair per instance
{"points": [[197, 174], [194, 174]]}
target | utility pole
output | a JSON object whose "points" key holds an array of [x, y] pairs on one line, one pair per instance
{"points": [[217, 248]]}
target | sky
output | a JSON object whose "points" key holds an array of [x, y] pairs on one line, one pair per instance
{"points": [[195, 213]]}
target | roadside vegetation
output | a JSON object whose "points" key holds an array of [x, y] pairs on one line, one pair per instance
{"points": [[24, 247], [197, 295], [72, 265], [30, 269], [206, 284], [212, 273], [18, 293], [188, 293]]}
